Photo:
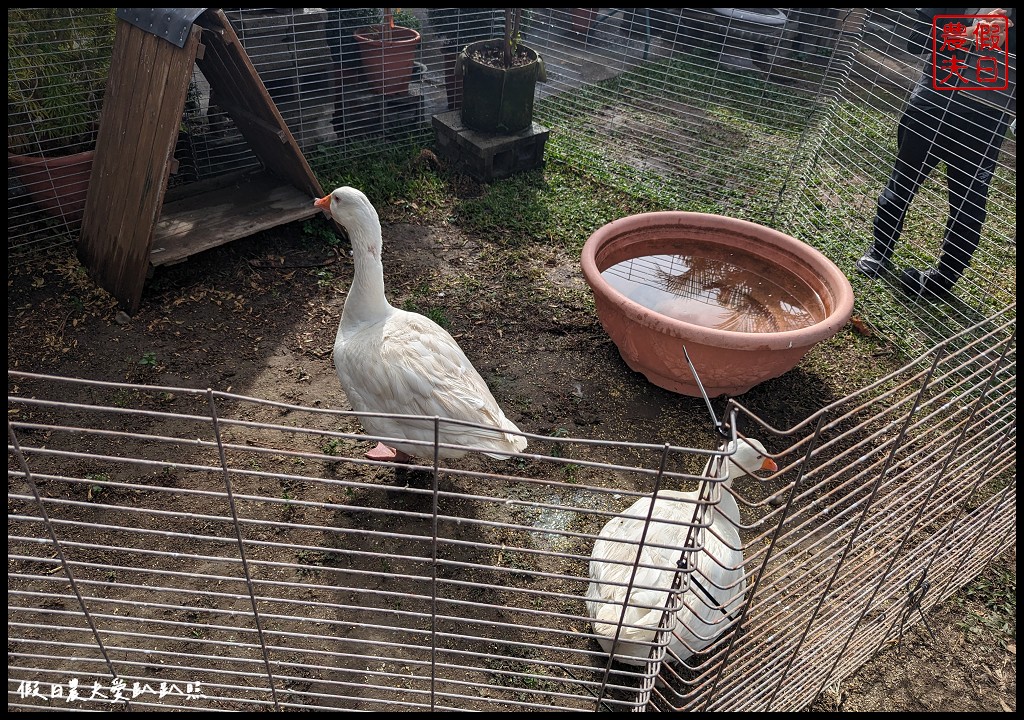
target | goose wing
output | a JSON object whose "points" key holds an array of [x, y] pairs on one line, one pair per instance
{"points": [[407, 364]]}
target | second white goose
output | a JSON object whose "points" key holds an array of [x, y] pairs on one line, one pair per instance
{"points": [[717, 584]]}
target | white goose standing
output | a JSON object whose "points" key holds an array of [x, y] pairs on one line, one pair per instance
{"points": [[717, 584], [402, 363]]}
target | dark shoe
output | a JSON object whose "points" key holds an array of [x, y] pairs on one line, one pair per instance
{"points": [[873, 264], [928, 284]]}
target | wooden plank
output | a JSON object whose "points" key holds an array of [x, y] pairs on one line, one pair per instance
{"points": [[163, 123], [95, 245], [114, 269], [237, 76], [255, 123], [137, 194], [207, 185], [209, 219], [135, 147]]}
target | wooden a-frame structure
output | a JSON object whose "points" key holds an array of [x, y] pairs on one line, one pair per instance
{"points": [[131, 223]]}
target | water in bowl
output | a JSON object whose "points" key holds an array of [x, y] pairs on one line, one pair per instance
{"points": [[719, 288]]}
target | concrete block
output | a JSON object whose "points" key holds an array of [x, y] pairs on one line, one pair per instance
{"points": [[485, 156]]}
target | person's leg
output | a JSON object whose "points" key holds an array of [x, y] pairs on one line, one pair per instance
{"points": [[915, 159], [970, 165]]}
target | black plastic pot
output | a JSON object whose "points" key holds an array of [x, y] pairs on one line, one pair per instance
{"points": [[498, 100]]}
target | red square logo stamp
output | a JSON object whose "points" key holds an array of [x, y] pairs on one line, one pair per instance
{"points": [[970, 52]]}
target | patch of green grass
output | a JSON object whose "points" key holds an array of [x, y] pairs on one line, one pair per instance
{"points": [[990, 603], [789, 157], [384, 172], [320, 231], [510, 212], [330, 446], [434, 313], [419, 302]]}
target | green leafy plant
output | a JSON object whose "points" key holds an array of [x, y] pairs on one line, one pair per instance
{"points": [[990, 603], [324, 278], [148, 359], [381, 20], [57, 65], [96, 489], [404, 18]]}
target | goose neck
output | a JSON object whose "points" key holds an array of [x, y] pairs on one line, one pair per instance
{"points": [[366, 301], [725, 471], [727, 505]]}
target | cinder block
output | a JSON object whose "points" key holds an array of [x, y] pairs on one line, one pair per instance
{"points": [[485, 156]]}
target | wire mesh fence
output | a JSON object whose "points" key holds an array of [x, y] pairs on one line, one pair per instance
{"points": [[786, 117], [243, 555], [855, 154]]}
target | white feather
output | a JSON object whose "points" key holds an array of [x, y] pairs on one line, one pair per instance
{"points": [[717, 584], [402, 363]]}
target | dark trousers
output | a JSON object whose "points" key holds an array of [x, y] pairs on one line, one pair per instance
{"points": [[968, 142]]}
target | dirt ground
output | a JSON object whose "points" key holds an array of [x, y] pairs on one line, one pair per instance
{"points": [[962, 662], [258, 317]]}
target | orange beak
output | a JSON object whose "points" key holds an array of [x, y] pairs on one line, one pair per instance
{"points": [[769, 464], [324, 204]]}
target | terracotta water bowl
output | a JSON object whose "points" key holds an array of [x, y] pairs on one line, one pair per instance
{"points": [[745, 300]]}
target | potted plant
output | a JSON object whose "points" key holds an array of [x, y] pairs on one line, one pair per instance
{"points": [[455, 28], [341, 27], [58, 60], [499, 78], [388, 52]]}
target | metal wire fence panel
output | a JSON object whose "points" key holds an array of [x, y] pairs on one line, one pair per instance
{"points": [[57, 62], [239, 550], [707, 110], [834, 206]]}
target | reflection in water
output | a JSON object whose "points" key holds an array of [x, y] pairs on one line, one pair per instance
{"points": [[719, 288]]}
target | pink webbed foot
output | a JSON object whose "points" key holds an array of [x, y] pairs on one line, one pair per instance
{"points": [[388, 454]]}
